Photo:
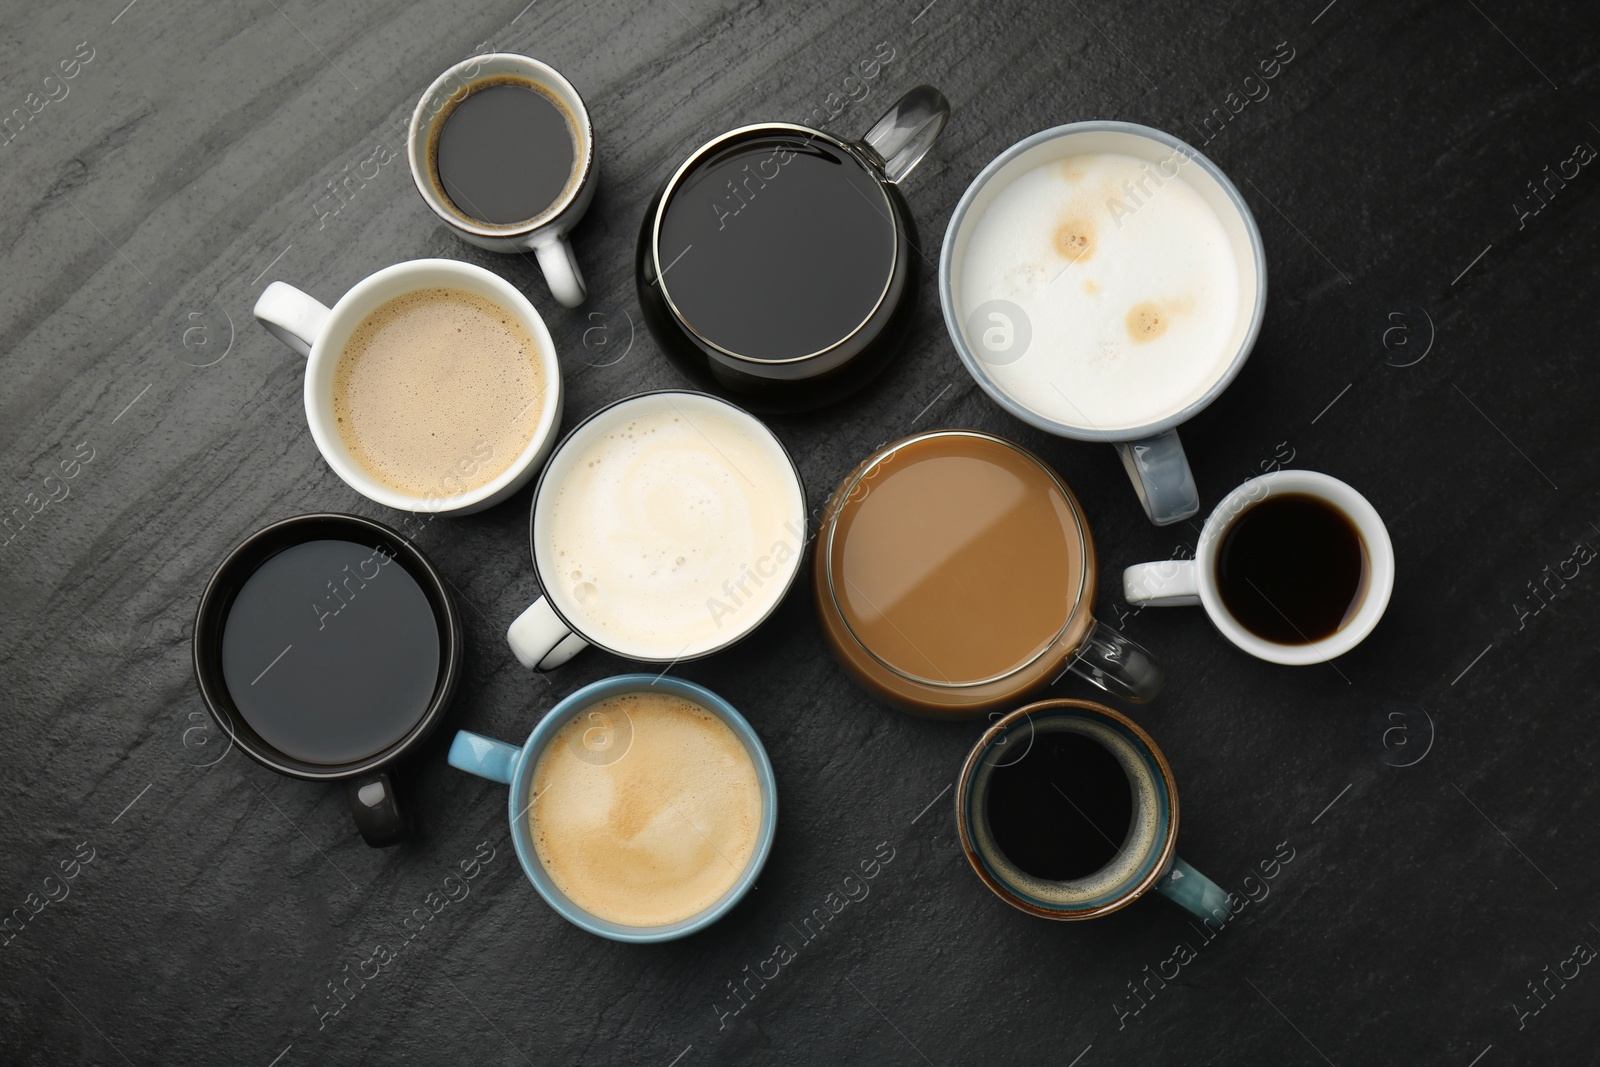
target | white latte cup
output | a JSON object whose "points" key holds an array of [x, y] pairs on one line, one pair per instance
{"points": [[666, 526], [1173, 583], [1130, 252], [320, 333]]}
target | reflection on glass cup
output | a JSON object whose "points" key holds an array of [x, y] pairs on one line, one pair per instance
{"points": [[954, 574]]}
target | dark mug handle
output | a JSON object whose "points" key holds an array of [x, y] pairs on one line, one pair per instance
{"points": [[376, 809], [898, 141]]}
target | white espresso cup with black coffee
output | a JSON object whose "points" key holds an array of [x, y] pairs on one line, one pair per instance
{"points": [[1294, 567], [431, 386], [502, 150], [666, 526]]}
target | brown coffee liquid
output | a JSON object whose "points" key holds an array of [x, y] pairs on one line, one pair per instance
{"points": [[957, 559], [777, 248], [1061, 810], [506, 153], [1292, 569]]}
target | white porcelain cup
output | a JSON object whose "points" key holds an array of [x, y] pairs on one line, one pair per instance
{"points": [[320, 333], [558, 625], [1152, 453], [1171, 583], [545, 235]]}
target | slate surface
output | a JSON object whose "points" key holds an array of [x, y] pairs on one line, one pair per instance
{"points": [[1437, 790]]}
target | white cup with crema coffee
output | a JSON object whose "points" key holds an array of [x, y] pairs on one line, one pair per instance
{"points": [[1294, 567], [666, 526], [502, 150], [431, 386]]}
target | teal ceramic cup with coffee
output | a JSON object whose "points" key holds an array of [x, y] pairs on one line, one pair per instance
{"points": [[642, 807], [1068, 810]]}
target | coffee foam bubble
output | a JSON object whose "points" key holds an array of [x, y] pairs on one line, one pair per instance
{"points": [[658, 833], [1128, 280], [438, 391], [671, 530]]}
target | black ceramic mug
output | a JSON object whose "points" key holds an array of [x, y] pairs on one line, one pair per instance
{"points": [[777, 265], [327, 647]]}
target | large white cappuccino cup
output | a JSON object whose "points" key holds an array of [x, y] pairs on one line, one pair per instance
{"points": [[1104, 281]]}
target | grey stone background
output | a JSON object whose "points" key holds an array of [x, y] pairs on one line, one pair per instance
{"points": [[1430, 338]]}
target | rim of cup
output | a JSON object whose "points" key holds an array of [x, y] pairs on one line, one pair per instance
{"points": [[237, 567], [1163, 853], [362, 300], [1375, 543], [700, 155], [439, 95], [527, 762], [556, 601], [957, 331], [1085, 593]]}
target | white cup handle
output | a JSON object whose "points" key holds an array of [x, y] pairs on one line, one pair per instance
{"points": [[293, 317], [540, 640], [561, 271], [1169, 583]]}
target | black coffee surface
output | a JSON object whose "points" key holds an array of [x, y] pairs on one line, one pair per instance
{"points": [[775, 249], [1062, 810], [1292, 569], [505, 153], [330, 651]]}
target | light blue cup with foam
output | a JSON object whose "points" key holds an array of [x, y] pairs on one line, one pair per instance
{"points": [[514, 766]]}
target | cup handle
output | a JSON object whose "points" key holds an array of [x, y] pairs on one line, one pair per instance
{"points": [[561, 271], [906, 131], [1120, 666], [376, 809], [1195, 893], [1171, 583], [540, 640], [293, 317], [483, 756], [1161, 476]]}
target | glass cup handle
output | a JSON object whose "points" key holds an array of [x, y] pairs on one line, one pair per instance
{"points": [[1161, 476], [898, 141], [1120, 666]]}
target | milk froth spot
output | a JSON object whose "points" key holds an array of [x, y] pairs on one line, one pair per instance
{"points": [[1146, 321], [1074, 238]]}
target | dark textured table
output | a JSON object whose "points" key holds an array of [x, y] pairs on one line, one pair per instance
{"points": [[1422, 175]]}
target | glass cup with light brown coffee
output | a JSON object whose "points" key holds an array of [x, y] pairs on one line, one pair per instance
{"points": [[955, 574]]}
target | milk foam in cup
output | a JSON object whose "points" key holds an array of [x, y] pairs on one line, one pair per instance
{"points": [[1104, 281]]}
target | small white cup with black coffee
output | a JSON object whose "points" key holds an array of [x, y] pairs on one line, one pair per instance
{"points": [[502, 150], [1294, 567]]}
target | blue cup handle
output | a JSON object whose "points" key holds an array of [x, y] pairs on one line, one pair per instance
{"points": [[1188, 888], [483, 756]]}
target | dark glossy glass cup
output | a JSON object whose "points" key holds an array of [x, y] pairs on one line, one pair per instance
{"points": [[368, 783], [840, 322]]}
